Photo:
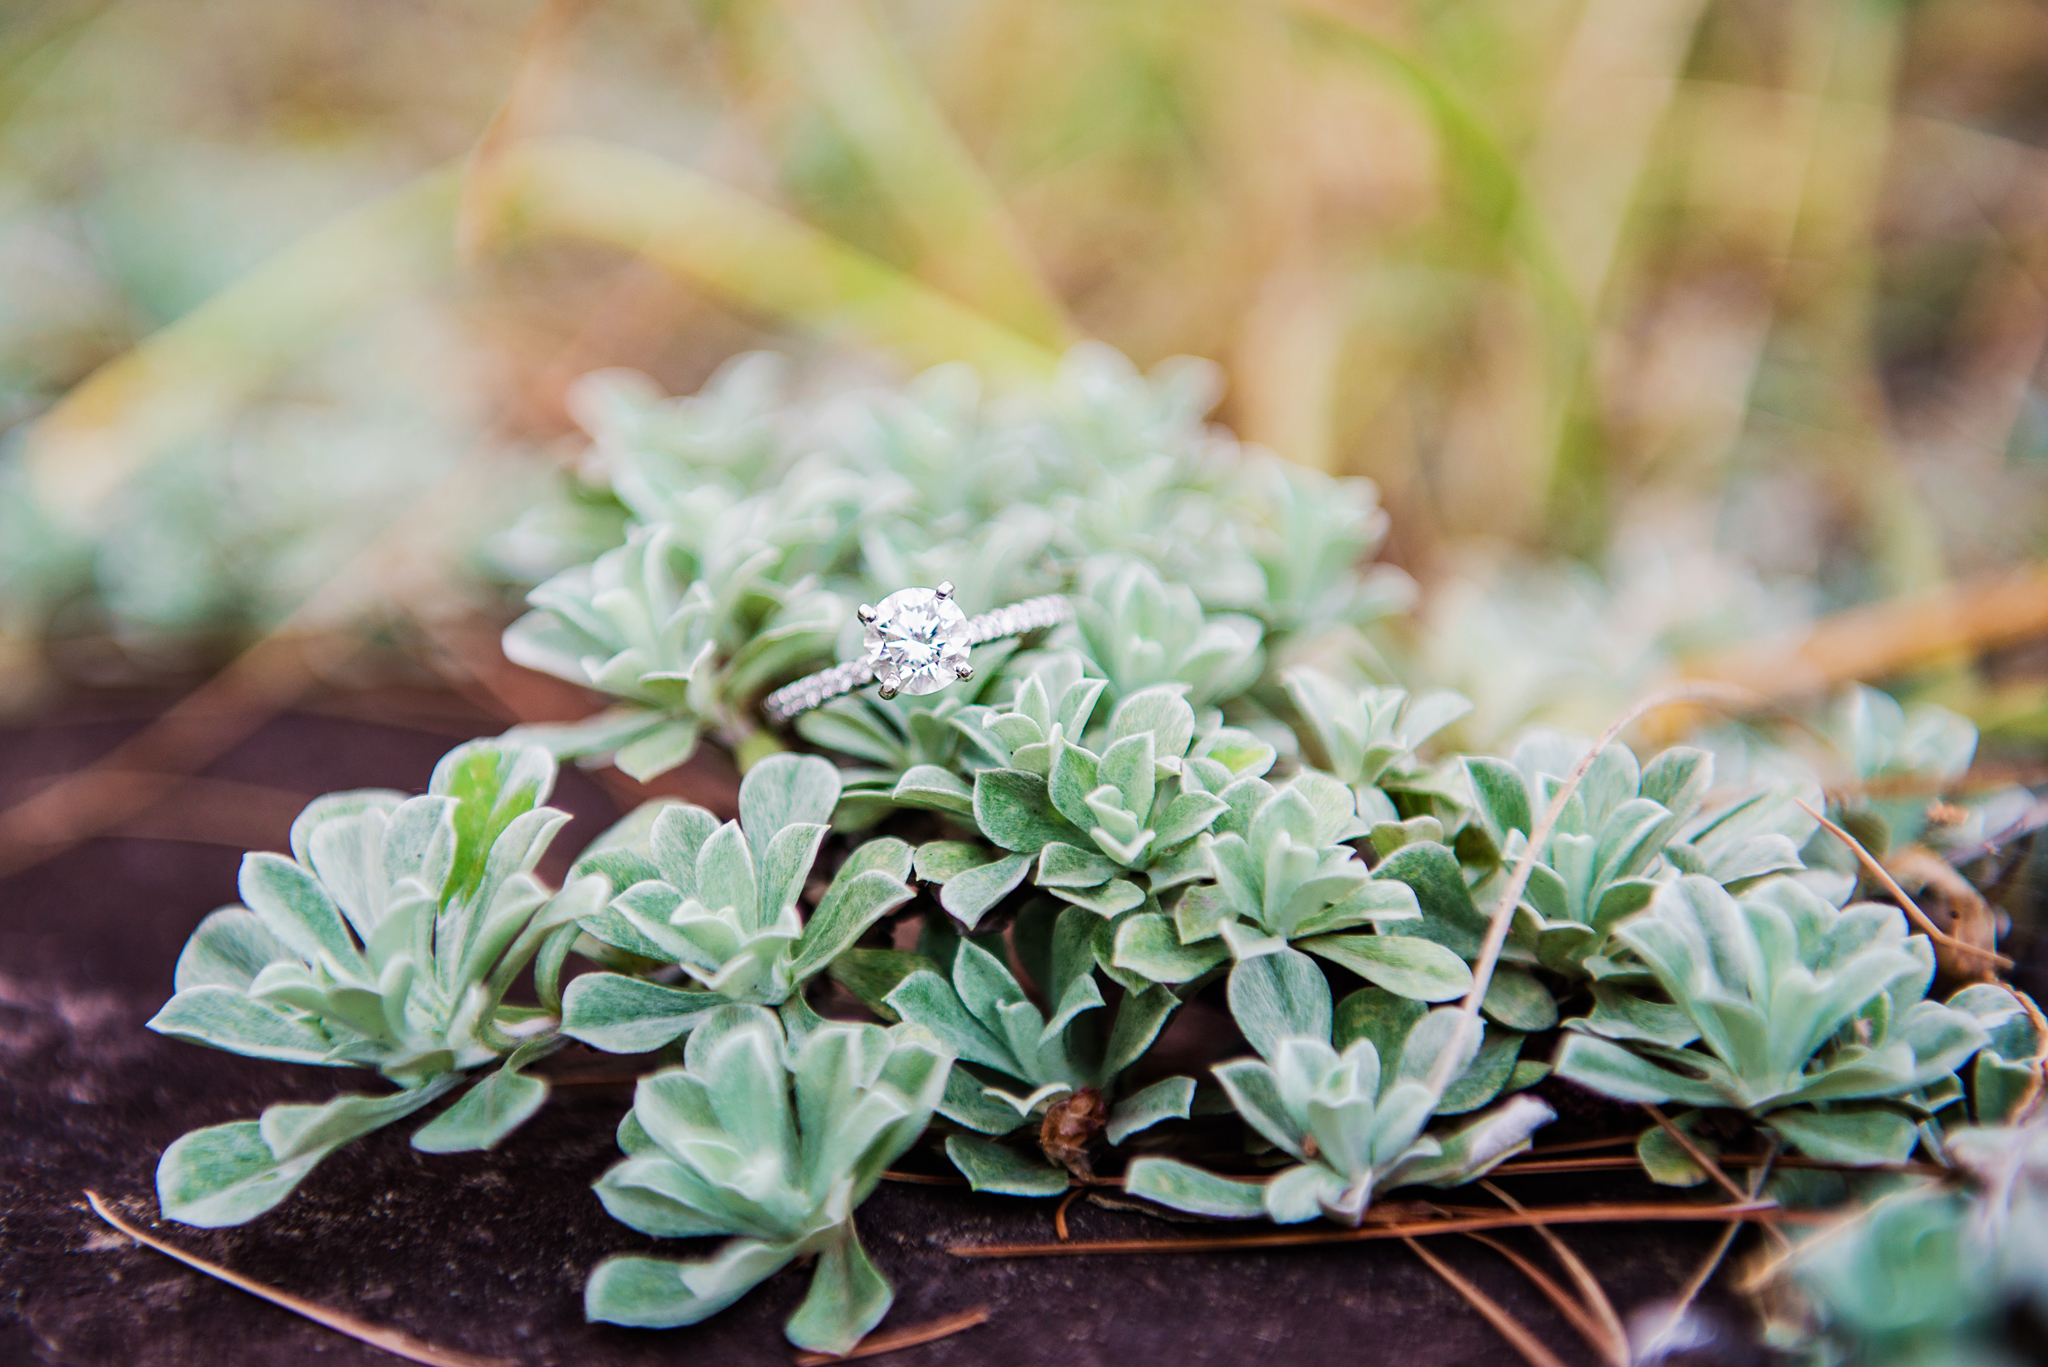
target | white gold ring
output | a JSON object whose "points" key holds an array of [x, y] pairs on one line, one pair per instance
{"points": [[917, 642]]}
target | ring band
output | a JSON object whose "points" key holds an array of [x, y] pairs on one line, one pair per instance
{"points": [[917, 642]]}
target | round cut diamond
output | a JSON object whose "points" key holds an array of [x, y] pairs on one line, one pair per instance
{"points": [[917, 641]]}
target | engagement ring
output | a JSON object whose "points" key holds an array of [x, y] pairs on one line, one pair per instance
{"points": [[917, 642]]}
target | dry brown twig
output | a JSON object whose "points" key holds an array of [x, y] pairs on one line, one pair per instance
{"points": [[394, 1341], [199, 727], [207, 811], [1879, 640], [1970, 918], [1613, 1141]]}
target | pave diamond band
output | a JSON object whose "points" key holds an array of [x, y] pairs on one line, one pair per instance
{"points": [[917, 642]]}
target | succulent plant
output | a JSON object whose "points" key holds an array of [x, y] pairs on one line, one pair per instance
{"points": [[1183, 784], [1604, 858], [387, 940], [1344, 1094], [913, 749], [1088, 824], [1017, 1070], [1366, 732], [776, 1140], [686, 639], [1140, 631], [1903, 760], [1935, 1274], [1809, 1020], [750, 528], [2006, 1080], [1282, 876], [720, 901], [1309, 536]]}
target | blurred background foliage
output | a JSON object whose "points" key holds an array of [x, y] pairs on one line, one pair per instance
{"points": [[1663, 325]]}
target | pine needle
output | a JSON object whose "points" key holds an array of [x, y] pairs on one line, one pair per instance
{"points": [[1510, 1328], [1543, 1167], [1059, 1216], [1613, 1141], [1596, 1214], [394, 1341], [1696, 1153], [874, 1345], [1691, 1290], [1615, 1341], [1969, 955], [1568, 1305]]}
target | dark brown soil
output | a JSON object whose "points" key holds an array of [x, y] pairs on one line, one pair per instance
{"points": [[488, 1253]]}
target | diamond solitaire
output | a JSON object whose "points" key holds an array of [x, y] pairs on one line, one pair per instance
{"points": [[917, 642]]}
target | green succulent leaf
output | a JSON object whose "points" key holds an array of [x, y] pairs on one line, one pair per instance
{"points": [[1002, 1169], [972, 893], [1181, 1186], [1860, 1135], [658, 1293], [1167, 1099], [1147, 944], [1518, 1000], [229, 1174], [940, 790], [848, 1297], [493, 1108], [1014, 809], [1279, 995], [623, 1015], [1403, 964]]}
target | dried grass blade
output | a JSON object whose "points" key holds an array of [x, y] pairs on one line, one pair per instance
{"points": [[396, 1342], [1511, 1329], [1966, 953], [1614, 1341], [874, 1345]]}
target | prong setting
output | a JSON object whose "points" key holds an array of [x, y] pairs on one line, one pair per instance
{"points": [[945, 589], [964, 673], [866, 613], [886, 692]]}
